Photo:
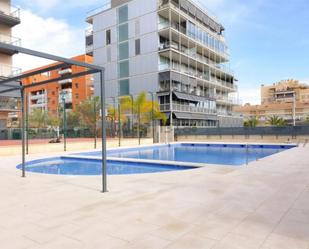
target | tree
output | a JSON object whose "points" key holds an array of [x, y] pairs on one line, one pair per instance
{"points": [[89, 113], [143, 108], [251, 123], [38, 118], [307, 119], [276, 121]]}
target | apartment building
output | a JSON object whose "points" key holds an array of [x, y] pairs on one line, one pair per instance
{"points": [[9, 17], [173, 48], [288, 99], [50, 96]]}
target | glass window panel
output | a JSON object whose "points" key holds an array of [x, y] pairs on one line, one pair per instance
{"points": [[123, 69], [137, 47], [123, 14], [124, 87], [123, 51], [123, 32], [108, 37]]}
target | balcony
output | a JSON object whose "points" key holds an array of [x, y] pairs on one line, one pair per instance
{"points": [[89, 49], [8, 71], [66, 81], [65, 71], [8, 104], [67, 95], [9, 40], [10, 17], [38, 105], [197, 75], [186, 108], [37, 96]]}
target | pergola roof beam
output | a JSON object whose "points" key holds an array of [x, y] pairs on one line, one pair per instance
{"points": [[71, 76], [40, 71], [48, 56]]}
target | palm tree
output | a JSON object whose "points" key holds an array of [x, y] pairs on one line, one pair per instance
{"points": [[251, 123], [143, 109], [276, 121]]}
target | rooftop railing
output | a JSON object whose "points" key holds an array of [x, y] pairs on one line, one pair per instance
{"points": [[106, 5]]}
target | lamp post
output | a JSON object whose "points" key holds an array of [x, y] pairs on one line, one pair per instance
{"points": [[64, 121]]}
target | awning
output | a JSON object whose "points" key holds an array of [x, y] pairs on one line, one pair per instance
{"points": [[195, 116], [185, 96], [190, 97]]}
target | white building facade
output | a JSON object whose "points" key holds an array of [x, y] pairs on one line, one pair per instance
{"points": [[171, 48]]}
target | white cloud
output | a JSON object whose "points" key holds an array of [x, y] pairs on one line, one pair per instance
{"points": [[46, 35], [250, 95], [59, 5]]}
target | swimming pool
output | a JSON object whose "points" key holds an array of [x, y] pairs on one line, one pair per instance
{"points": [[80, 166], [152, 159], [224, 154]]}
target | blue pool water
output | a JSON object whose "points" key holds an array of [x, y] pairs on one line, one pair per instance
{"points": [[71, 166], [232, 155]]}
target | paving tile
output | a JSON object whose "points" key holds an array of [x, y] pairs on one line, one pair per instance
{"points": [[277, 241], [193, 242]]}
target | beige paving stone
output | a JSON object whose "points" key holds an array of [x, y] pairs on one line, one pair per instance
{"points": [[193, 242], [173, 230], [236, 241], [277, 241]]}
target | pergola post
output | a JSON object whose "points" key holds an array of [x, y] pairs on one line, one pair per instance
{"points": [[22, 92], [103, 127]]}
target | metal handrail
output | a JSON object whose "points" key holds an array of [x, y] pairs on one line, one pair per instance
{"points": [[105, 6], [10, 40], [14, 12]]}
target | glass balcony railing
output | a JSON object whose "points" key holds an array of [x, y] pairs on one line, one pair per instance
{"points": [[164, 66], [12, 12], [9, 71], [10, 40], [186, 108], [196, 56]]}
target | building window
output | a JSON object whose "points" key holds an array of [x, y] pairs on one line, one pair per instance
{"points": [[76, 85], [108, 37], [76, 95], [123, 32], [123, 69], [123, 14], [137, 47], [123, 51], [124, 87]]}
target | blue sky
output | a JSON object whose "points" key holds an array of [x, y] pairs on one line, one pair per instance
{"points": [[268, 39]]}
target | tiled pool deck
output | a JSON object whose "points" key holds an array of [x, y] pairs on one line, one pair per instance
{"points": [[264, 205]]}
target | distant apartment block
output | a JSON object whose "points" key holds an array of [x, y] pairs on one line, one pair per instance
{"points": [[49, 97], [288, 99], [9, 17], [172, 48]]}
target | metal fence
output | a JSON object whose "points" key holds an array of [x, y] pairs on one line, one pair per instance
{"points": [[243, 131]]}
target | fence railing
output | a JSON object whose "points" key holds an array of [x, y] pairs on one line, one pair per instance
{"points": [[242, 131]]}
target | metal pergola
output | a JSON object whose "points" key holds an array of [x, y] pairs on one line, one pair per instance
{"points": [[13, 84]]}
